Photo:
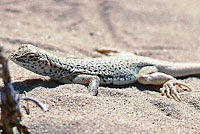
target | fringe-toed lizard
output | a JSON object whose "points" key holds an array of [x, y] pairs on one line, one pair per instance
{"points": [[108, 70]]}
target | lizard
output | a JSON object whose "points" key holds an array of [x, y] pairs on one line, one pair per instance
{"points": [[117, 69]]}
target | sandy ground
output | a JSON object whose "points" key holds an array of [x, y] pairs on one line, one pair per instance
{"points": [[167, 30]]}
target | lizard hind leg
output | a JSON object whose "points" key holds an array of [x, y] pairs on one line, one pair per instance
{"points": [[150, 75]]}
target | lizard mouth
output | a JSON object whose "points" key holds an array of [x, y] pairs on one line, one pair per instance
{"points": [[19, 59], [10, 57], [13, 58]]}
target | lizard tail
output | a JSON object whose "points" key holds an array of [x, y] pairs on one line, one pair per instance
{"points": [[180, 69]]}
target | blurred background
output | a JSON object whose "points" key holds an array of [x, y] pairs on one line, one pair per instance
{"points": [[146, 27]]}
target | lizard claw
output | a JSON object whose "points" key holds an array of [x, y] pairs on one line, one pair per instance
{"points": [[169, 89]]}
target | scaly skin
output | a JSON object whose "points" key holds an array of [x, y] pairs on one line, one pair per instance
{"points": [[113, 70]]}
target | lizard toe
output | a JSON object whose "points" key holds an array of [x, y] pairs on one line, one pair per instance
{"points": [[170, 89]]}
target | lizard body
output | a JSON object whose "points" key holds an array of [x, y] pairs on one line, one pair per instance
{"points": [[108, 70]]}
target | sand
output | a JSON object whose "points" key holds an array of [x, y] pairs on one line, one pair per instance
{"points": [[166, 30]]}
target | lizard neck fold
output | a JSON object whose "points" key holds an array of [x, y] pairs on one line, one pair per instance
{"points": [[56, 67]]}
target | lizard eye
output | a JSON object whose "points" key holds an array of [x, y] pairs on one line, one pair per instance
{"points": [[32, 55]]}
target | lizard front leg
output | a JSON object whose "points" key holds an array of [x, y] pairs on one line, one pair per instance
{"points": [[90, 80], [150, 75]]}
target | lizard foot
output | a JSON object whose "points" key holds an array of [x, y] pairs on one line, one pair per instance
{"points": [[169, 89]]}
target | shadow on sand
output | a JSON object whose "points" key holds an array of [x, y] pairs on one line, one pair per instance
{"points": [[29, 84]]}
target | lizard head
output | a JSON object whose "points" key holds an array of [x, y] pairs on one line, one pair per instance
{"points": [[27, 53], [29, 57]]}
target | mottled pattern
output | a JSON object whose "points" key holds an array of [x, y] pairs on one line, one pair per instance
{"points": [[110, 70], [116, 70]]}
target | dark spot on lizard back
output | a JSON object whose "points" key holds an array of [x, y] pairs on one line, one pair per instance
{"points": [[112, 71], [104, 80]]}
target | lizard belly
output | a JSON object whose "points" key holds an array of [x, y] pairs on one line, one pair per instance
{"points": [[118, 80]]}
